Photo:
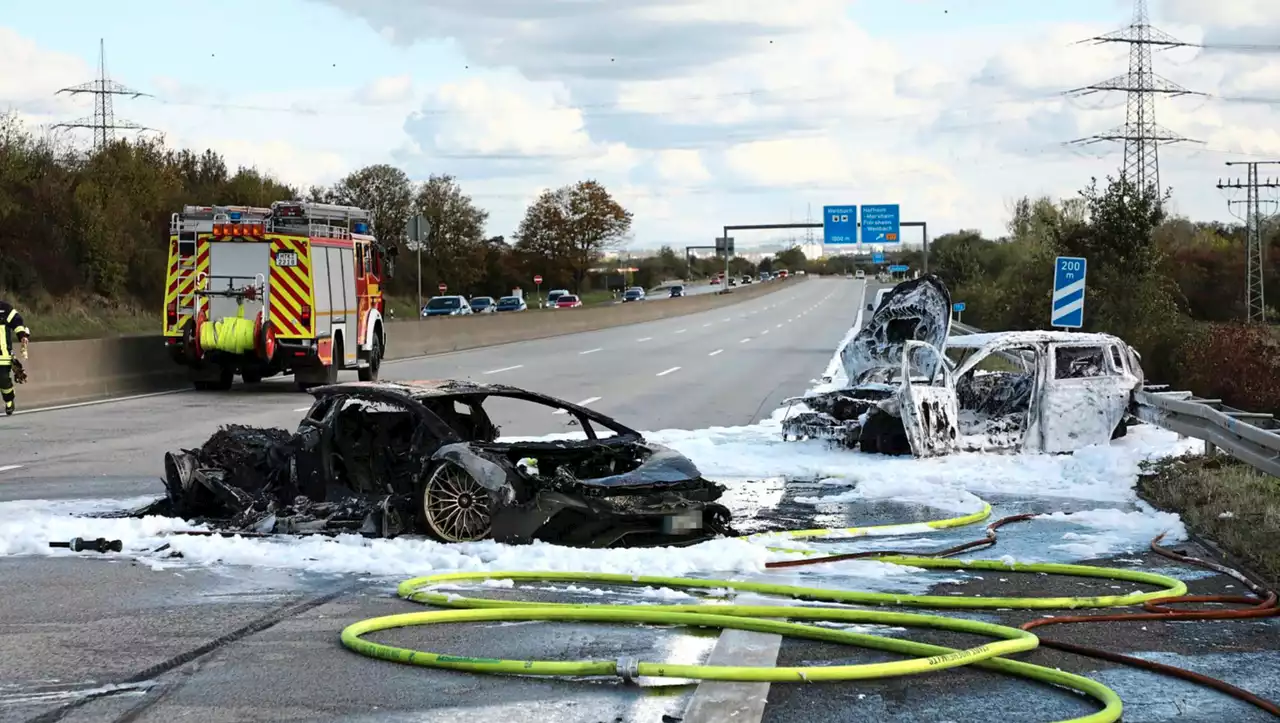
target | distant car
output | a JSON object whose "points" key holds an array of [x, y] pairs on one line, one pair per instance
{"points": [[446, 306], [568, 301], [483, 305], [635, 293], [860, 274], [555, 294], [677, 290], [511, 303]]}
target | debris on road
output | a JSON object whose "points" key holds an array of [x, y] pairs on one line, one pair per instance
{"points": [[912, 389], [387, 458], [101, 544]]}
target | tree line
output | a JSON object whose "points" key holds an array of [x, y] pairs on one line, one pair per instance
{"points": [[95, 225], [1173, 288]]}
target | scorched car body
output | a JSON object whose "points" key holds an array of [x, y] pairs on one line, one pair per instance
{"points": [[383, 458], [915, 389]]}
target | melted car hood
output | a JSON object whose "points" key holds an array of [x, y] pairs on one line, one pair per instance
{"points": [[914, 310]]}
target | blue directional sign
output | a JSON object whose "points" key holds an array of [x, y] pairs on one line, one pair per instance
{"points": [[1068, 292], [877, 258], [881, 224], [899, 269], [839, 224], [958, 307]]}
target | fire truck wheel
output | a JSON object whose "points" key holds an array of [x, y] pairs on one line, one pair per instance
{"points": [[370, 373], [335, 363]]}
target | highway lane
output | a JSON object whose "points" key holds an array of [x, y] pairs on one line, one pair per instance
{"points": [[728, 366]]}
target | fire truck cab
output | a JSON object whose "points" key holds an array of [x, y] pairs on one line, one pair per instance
{"points": [[291, 289]]}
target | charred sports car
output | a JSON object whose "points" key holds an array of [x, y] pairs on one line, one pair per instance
{"points": [[386, 458], [915, 389]]}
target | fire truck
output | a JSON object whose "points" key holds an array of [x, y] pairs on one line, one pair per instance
{"points": [[291, 289]]}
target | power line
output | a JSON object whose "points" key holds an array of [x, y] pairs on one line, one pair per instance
{"points": [[103, 122], [1141, 135], [1255, 297]]}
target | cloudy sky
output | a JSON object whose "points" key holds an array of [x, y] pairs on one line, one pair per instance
{"points": [[695, 113]]}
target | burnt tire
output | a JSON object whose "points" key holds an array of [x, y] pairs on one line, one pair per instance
{"points": [[453, 506], [371, 372]]}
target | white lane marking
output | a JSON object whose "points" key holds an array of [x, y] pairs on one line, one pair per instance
{"points": [[682, 331], [303, 409], [590, 351], [744, 341], [10, 467], [109, 400], [647, 338], [717, 351], [583, 403], [664, 373], [505, 369]]}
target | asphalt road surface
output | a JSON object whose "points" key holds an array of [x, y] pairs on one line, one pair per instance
{"points": [[725, 367], [72, 625]]}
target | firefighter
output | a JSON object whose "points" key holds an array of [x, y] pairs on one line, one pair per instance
{"points": [[12, 329]]}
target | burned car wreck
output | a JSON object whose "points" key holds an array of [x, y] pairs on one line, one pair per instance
{"points": [[389, 458], [913, 389]]}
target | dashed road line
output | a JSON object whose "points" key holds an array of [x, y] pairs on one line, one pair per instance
{"points": [[583, 403], [590, 351], [717, 351], [10, 467], [668, 371], [505, 369]]}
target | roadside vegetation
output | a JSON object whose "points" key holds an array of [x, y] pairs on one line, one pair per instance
{"points": [[1224, 500], [84, 235]]}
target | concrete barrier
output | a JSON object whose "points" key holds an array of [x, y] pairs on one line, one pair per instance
{"points": [[71, 372]]}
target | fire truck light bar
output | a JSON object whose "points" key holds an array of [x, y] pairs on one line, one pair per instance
{"points": [[250, 230]]}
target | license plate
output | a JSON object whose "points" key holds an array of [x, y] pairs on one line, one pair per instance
{"points": [[287, 258], [682, 522]]}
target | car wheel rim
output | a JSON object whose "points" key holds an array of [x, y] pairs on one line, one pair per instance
{"points": [[455, 506]]}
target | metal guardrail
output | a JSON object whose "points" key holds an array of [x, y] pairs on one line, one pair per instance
{"points": [[1251, 437]]}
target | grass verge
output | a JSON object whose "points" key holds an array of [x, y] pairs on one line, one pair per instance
{"points": [[1224, 500]]}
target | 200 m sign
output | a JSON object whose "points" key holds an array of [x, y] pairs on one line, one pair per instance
{"points": [[287, 258]]}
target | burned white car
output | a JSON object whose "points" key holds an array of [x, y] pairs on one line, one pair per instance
{"points": [[914, 389]]}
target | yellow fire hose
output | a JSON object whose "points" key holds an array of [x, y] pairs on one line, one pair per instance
{"points": [[468, 609], [232, 334]]}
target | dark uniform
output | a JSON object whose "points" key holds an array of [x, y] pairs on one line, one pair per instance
{"points": [[13, 332]]}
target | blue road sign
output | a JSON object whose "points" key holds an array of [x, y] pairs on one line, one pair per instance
{"points": [[877, 258], [899, 269], [839, 224], [881, 224], [958, 307], [1068, 292]]}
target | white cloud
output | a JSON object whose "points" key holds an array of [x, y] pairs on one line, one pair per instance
{"points": [[697, 113], [387, 90]]}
